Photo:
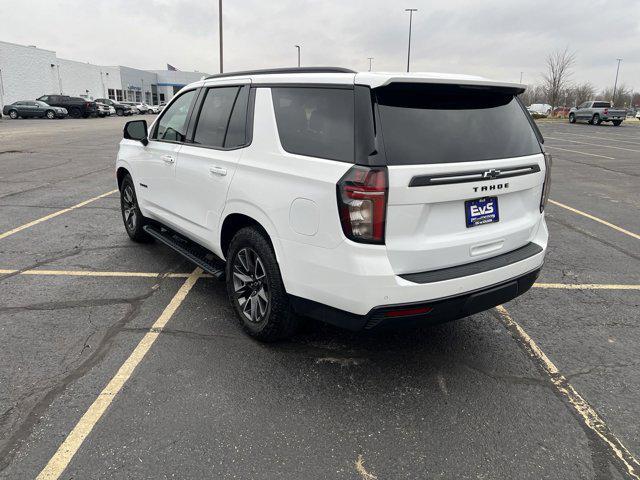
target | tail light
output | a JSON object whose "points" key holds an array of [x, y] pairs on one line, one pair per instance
{"points": [[606, 111], [546, 187], [362, 203]]}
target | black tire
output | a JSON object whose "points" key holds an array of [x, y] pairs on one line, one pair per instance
{"points": [[131, 215], [572, 118], [119, 112], [261, 302], [616, 123], [13, 114], [75, 112], [595, 120]]}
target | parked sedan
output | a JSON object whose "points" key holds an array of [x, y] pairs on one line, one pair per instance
{"points": [[152, 108], [139, 106], [33, 108]]}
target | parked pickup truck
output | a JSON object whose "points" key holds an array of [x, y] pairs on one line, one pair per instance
{"points": [[76, 106], [596, 112]]}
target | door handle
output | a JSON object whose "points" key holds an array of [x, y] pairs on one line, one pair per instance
{"points": [[218, 171], [168, 159]]}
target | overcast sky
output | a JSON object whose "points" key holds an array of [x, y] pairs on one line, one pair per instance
{"points": [[494, 38]]}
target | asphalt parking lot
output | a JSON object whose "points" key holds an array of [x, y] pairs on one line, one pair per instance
{"points": [[118, 361]]}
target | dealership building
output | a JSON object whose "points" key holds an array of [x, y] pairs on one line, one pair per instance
{"points": [[28, 72]]}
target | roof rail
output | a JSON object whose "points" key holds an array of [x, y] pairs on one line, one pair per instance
{"points": [[285, 70]]}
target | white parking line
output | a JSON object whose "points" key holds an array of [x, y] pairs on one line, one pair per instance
{"points": [[581, 153], [58, 463], [598, 137], [92, 273], [588, 415], [593, 144], [54, 214], [596, 219]]}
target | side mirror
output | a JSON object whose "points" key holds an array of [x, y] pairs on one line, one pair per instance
{"points": [[136, 130]]}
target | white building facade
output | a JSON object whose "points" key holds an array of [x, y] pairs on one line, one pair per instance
{"points": [[28, 72]]}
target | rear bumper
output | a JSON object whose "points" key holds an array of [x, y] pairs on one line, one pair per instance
{"points": [[421, 313]]}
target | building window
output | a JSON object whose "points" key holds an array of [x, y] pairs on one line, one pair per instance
{"points": [[112, 94], [138, 97], [162, 97], [119, 96]]}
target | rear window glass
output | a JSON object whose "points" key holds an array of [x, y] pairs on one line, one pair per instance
{"points": [[601, 104], [424, 124], [317, 122]]}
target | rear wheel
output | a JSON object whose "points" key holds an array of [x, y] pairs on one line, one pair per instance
{"points": [[255, 287], [119, 112], [13, 114], [572, 118], [596, 120], [75, 112], [131, 215], [616, 123]]}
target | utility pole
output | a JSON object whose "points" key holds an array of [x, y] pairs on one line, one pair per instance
{"points": [[521, 76], [370, 58], [410, 10], [220, 32], [615, 85], [298, 47]]}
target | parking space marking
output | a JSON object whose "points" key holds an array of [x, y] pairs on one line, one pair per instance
{"points": [[588, 286], [589, 416], [593, 144], [54, 214], [581, 153], [60, 460], [598, 137], [92, 273], [596, 219]]}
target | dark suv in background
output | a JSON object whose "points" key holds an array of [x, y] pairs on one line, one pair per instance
{"points": [[121, 108], [76, 106]]}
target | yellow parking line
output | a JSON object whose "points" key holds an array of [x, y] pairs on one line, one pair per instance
{"points": [[89, 273], [587, 286], [581, 153], [76, 437], [589, 416], [596, 219], [54, 214]]}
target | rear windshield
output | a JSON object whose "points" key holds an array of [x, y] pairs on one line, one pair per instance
{"points": [[448, 123], [601, 104]]}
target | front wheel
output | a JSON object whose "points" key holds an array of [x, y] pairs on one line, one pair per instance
{"points": [[572, 118], [255, 287], [50, 114], [13, 114], [131, 214]]}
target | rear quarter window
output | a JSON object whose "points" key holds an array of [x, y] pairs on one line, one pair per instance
{"points": [[426, 124], [316, 121]]}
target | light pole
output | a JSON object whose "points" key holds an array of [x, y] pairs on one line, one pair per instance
{"points": [[220, 31], [410, 10], [369, 58], [298, 47], [521, 76], [615, 85]]}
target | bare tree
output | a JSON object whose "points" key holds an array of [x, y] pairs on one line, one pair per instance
{"points": [[583, 93], [623, 95], [556, 78]]}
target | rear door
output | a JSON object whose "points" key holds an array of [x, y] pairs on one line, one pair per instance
{"points": [[208, 161], [466, 172]]}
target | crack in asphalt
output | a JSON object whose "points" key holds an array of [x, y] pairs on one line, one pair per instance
{"points": [[554, 219], [33, 417]]}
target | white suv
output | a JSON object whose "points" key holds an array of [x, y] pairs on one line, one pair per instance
{"points": [[360, 199]]}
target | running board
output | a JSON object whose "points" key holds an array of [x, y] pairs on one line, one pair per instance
{"points": [[193, 252]]}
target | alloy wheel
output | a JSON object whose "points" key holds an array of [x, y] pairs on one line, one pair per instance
{"points": [[250, 285], [129, 208]]}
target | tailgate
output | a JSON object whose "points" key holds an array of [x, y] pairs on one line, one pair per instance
{"points": [[426, 223]]}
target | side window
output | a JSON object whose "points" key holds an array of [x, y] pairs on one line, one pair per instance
{"points": [[44, 99], [213, 120], [237, 129], [172, 126], [317, 122]]}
